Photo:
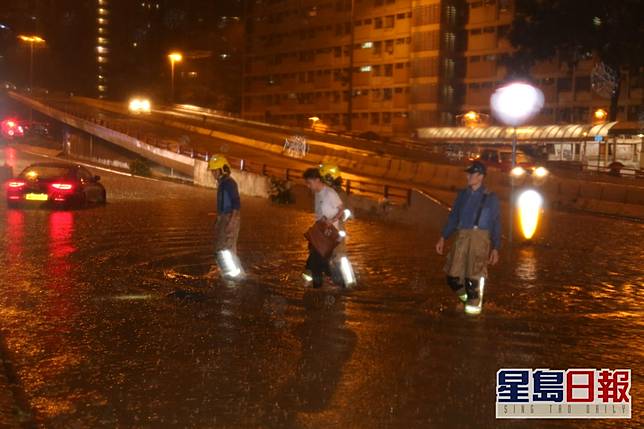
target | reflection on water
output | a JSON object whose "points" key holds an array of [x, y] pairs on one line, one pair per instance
{"points": [[61, 308], [61, 228], [526, 264], [15, 235]]}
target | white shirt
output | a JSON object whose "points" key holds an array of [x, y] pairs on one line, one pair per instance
{"points": [[327, 204]]}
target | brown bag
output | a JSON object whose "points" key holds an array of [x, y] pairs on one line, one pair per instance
{"points": [[323, 238]]}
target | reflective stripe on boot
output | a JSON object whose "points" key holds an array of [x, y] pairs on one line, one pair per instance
{"points": [[475, 291]]}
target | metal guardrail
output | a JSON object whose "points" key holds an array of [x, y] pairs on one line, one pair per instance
{"points": [[382, 192]]}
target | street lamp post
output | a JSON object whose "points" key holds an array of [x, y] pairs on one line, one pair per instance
{"points": [[32, 40], [175, 57], [514, 104]]}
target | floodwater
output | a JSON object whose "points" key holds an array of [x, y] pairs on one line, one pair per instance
{"points": [[106, 320]]}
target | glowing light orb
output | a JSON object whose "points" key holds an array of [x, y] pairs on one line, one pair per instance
{"points": [[517, 102]]}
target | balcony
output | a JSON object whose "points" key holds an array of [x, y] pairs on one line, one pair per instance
{"points": [[483, 14], [482, 41], [323, 59], [401, 75], [477, 98], [361, 79], [322, 82], [481, 69], [583, 96], [401, 101], [546, 67]]}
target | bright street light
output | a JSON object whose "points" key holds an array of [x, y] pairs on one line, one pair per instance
{"points": [[32, 40], [174, 57], [600, 115], [516, 103], [472, 116]]}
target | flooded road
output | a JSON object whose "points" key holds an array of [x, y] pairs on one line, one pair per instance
{"points": [[106, 320]]}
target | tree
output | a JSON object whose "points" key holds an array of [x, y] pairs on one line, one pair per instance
{"points": [[572, 30]]}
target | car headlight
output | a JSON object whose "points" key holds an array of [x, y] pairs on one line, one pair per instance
{"points": [[541, 172], [135, 105], [145, 105], [518, 171]]}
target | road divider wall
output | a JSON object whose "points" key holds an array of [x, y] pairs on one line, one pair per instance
{"points": [[249, 184]]}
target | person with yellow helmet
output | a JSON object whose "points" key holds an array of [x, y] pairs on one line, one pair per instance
{"points": [[228, 211], [330, 203], [331, 175]]}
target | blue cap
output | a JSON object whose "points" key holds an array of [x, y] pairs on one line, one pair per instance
{"points": [[477, 167]]}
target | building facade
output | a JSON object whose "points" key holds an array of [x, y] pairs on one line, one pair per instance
{"points": [[408, 64]]}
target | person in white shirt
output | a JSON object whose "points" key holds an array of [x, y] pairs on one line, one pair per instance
{"points": [[329, 208]]}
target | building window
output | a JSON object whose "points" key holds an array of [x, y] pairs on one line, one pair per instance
{"points": [[389, 70], [365, 69], [564, 84], [583, 83], [377, 23], [390, 21]]}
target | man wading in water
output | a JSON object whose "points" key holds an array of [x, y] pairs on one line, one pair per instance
{"points": [[475, 218]]}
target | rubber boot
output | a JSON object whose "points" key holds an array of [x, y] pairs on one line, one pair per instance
{"points": [[474, 302], [456, 286], [318, 281]]}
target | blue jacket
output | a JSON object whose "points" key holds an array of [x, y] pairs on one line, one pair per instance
{"points": [[227, 196], [464, 211]]}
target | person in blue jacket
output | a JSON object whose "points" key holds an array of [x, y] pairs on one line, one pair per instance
{"points": [[476, 221], [228, 205]]}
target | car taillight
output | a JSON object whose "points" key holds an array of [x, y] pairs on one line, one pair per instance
{"points": [[63, 186], [15, 184]]}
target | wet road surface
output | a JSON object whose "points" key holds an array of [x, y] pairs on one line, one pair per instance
{"points": [[106, 320]]}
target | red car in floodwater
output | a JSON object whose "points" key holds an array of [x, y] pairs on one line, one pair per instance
{"points": [[55, 184]]}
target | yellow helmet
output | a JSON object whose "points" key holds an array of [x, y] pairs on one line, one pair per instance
{"points": [[330, 171], [218, 161]]}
